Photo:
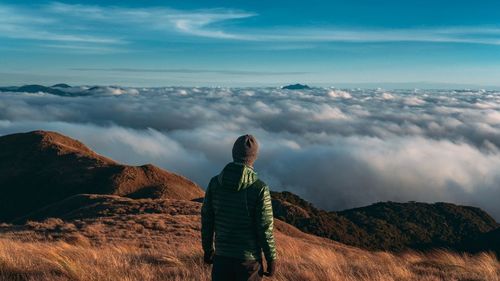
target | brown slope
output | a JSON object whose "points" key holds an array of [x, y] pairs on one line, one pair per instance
{"points": [[39, 168], [108, 218], [159, 239], [92, 208]]}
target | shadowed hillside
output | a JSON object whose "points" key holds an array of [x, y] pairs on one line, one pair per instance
{"points": [[489, 241], [389, 225], [40, 168]]}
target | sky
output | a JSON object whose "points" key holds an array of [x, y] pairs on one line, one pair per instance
{"points": [[251, 43]]}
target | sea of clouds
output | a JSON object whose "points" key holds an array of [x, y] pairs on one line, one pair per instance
{"points": [[337, 148]]}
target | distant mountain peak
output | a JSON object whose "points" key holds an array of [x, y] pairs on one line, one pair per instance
{"points": [[40, 88], [61, 85], [296, 87], [34, 88]]}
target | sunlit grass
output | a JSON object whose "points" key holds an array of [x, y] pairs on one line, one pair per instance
{"points": [[300, 259]]}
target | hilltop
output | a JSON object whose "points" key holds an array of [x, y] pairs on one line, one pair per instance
{"points": [[65, 90], [55, 90], [296, 87], [61, 85], [40, 168]]}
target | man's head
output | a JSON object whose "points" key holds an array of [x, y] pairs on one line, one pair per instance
{"points": [[245, 150]]}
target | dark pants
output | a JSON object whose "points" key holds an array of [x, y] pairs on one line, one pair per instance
{"points": [[230, 269]]}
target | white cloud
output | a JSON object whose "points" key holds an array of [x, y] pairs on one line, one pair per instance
{"points": [[339, 94], [196, 22], [414, 101], [326, 112], [22, 23], [387, 96], [334, 34], [336, 152]]}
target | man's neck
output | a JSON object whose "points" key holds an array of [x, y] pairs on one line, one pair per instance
{"points": [[244, 164]]}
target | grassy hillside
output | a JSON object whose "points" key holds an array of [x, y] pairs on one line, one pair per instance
{"points": [[389, 225], [116, 238], [40, 168], [152, 231]]}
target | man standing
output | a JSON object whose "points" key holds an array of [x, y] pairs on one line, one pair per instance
{"points": [[237, 209]]}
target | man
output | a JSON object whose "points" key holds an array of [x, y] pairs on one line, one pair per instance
{"points": [[237, 209]]}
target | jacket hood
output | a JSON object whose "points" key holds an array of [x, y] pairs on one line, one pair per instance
{"points": [[237, 176]]}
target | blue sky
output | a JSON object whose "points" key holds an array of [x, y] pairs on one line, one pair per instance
{"points": [[250, 43]]}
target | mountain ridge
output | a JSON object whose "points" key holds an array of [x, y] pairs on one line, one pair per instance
{"points": [[392, 226], [296, 87], [39, 168]]}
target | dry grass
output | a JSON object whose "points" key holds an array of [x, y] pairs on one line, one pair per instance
{"points": [[79, 259], [338, 263], [132, 243]]}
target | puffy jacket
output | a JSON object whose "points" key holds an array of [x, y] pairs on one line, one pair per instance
{"points": [[237, 209]]}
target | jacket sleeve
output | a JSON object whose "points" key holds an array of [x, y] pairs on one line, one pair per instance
{"points": [[207, 221], [264, 219]]}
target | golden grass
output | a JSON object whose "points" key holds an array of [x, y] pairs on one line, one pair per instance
{"points": [[129, 244], [299, 260]]}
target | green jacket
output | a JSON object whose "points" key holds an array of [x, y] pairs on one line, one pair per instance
{"points": [[237, 209]]}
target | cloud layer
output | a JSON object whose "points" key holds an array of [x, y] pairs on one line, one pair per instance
{"points": [[337, 148]]}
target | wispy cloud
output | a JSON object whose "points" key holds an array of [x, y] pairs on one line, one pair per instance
{"points": [[83, 48], [118, 26], [201, 23], [196, 22], [193, 71], [23, 23], [333, 34], [109, 25]]}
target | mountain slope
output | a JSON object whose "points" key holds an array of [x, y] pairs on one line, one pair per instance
{"points": [[388, 225], [489, 241], [296, 87], [40, 168], [108, 237], [61, 85], [35, 89], [419, 225]]}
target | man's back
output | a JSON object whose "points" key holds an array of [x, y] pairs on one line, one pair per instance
{"points": [[237, 210], [242, 213]]}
